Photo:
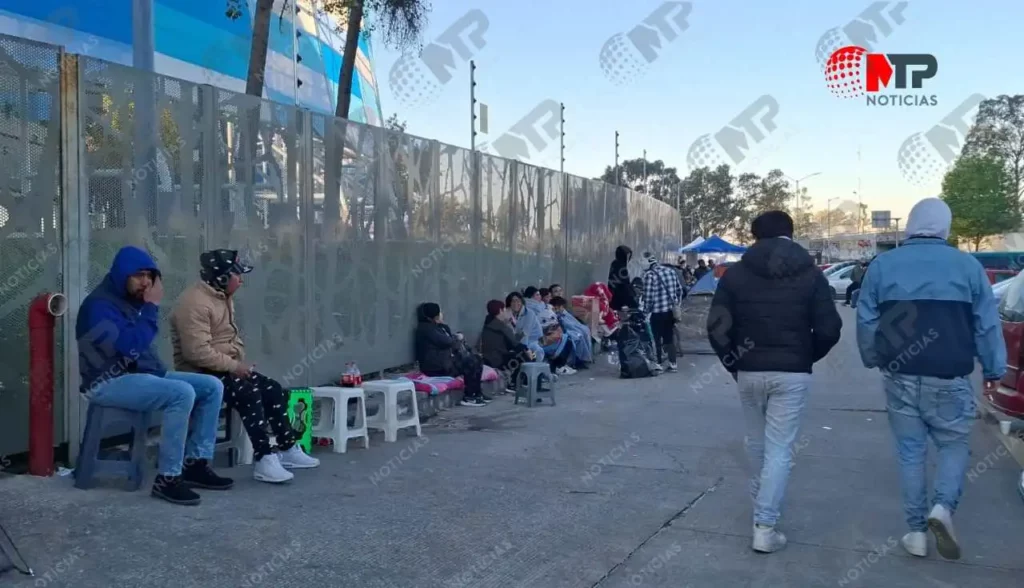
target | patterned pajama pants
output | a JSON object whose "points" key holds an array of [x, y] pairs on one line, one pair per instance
{"points": [[259, 400]]}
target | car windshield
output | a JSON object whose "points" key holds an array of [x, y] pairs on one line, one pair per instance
{"points": [[1011, 307], [842, 273]]}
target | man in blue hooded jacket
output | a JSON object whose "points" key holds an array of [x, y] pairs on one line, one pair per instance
{"points": [[117, 325], [926, 311]]}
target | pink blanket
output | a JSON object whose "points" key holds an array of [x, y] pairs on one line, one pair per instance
{"points": [[441, 384]]}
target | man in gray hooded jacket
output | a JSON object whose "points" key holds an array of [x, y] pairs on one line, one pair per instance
{"points": [[926, 311]]}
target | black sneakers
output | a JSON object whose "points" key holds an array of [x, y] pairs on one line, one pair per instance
{"points": [[198, 474], [469, 401], [173, 490]]}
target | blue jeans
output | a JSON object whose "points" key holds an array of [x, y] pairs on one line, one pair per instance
{"points": [[175, 395], [773, 403], [922, 407]]}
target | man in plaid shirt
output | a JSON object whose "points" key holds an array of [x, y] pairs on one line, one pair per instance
{"points": [[662, 292]]}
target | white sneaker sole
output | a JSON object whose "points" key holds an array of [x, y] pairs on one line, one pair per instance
{"points": [[945, 544], [269, 480], [297, 466]]}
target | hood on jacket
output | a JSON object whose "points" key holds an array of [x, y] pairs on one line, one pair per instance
{"points": [[623, 254], [930, 217], [128, 262], [777, 258], [424, 310]]}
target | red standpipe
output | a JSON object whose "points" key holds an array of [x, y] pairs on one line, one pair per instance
{"points": [[42, 315]]}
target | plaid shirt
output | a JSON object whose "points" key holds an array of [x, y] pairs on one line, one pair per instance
{"points": [[662, 290]]}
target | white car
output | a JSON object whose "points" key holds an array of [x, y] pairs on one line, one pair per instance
{"points": [[840, 280], [837, 267]]}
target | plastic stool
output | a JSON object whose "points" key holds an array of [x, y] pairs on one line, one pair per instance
{"points": [[387, 418], [334, 426], [98, 420], [531, 376]]}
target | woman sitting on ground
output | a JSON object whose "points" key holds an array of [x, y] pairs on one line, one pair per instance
{"points": [[499, 345], [577, 331], [443, 353]]}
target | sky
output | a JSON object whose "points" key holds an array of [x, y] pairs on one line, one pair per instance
{"points": [[732, 53]]}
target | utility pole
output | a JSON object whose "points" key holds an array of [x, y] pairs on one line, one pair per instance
{"points": [[860, 222], [146, 133], [472, 108], [828, 220], [561, 146], [897, 219], [616, 158]]}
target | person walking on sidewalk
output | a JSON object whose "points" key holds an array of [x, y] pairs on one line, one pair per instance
{"points": [[206, 340], [662, 293], [856, 277], [772, 317], [926, 310]]}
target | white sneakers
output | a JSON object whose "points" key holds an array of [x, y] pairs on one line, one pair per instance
{"points": [[296, 458], [941, 524], [916, 543], [565, 371], [271, 467], [767, 539]]}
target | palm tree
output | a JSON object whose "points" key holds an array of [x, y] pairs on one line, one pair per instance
{"points": [[260, 40]]}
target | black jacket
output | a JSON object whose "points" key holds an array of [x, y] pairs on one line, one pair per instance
{"points": [[434, 345], [773, 311], [497, 340], [618, 280]]}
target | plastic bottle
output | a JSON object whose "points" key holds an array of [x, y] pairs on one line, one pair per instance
{"points": [[346, 376], [357, 376]]}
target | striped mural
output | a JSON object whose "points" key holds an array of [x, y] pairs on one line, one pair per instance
{"points": [[197, 42]]}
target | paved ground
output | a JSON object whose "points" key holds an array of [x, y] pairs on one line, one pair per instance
{"points": [[624, 483]]}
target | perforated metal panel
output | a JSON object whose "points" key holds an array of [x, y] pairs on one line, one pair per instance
{"points": [[349, 226], [30, 224]]}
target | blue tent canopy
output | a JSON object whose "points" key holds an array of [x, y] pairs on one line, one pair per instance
{"points": [[715, 244]]}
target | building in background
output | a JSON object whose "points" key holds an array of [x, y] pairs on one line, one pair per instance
{"points": [[195, 41]]}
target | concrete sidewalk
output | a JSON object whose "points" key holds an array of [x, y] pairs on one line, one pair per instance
{"points": [[624, 483]]}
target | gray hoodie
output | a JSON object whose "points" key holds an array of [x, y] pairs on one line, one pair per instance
{"points": [[930, 217]]}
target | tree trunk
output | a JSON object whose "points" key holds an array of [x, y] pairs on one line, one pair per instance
{"points": [[258, 51], [977, 243], [348, 60]]}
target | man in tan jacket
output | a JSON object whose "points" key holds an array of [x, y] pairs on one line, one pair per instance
{"points": [[206, 340]]}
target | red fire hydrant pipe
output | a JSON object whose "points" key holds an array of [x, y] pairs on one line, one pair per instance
{"points": [[42, 314]]}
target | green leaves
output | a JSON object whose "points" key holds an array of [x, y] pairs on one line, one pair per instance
{"points": [[982, 197]]}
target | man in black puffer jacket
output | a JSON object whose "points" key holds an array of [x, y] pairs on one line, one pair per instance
{"points": [[623, 295], [771, 319]]}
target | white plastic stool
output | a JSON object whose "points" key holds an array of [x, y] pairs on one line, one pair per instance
{"points": [[335, 427], [240, 442], [387, 418]]}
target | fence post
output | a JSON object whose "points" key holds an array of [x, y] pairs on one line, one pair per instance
{"points": [[211, 184], [74, 206], [304, 128]]}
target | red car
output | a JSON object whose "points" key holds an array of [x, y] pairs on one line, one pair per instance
{"points": [[1008, 398]]}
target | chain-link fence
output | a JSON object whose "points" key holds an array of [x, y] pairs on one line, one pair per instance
{"points": [[349, 226]]}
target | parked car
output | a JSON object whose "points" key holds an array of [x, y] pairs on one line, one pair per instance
{"points": [[836, 267], [1009, 397], [996, 276], [840, 280]]}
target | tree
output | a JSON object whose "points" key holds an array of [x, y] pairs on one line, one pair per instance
{"points": [[755, 195], [980, 192], [402, 22], [256, 73], [998, 132], [661, 180], [707, 203]]}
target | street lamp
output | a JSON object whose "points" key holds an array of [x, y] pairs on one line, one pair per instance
{"points": [[828, 220], [808, 176]]}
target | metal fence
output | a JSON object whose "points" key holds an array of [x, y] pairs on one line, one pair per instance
{"points": [[403, 224]]}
